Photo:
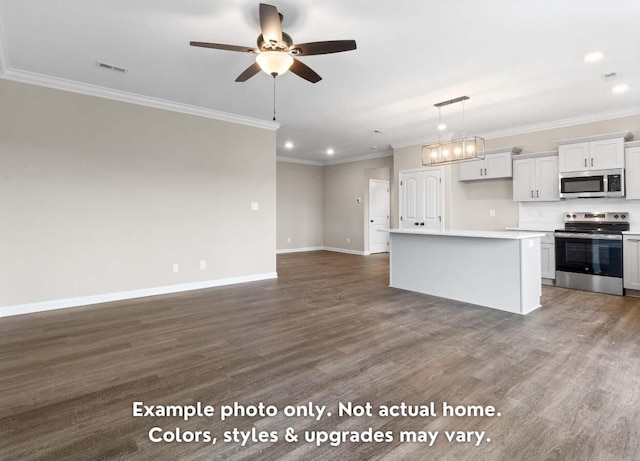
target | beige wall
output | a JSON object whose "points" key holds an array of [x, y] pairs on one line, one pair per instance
{"points": [[467, 204], [98, 196], [300, 206], [344, 217]]}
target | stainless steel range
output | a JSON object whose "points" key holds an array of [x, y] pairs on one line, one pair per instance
{"points": [[589, 251]]}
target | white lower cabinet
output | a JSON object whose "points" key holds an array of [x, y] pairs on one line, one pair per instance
{"points": [[631, 257], [548, 256]]}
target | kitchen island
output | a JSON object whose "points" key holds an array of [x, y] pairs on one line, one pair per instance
{"points": [[497, 269]]}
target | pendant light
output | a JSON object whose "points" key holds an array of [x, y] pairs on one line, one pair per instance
{"points": [[460, 149]]}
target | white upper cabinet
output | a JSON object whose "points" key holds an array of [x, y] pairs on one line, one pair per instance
{"points": [[547, 180], [535, 178], [496, 164], [606, 154], [601, 152], [632, 180], [574, 157]]}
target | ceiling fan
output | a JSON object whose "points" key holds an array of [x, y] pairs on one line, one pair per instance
{"points": [[276, 51]]}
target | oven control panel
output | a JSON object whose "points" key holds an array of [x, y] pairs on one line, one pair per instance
{"points": [[582, 216]]}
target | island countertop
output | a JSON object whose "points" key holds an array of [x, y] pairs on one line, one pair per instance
{"points": [[507, 235]]}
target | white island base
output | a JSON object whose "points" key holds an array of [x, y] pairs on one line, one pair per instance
{"points": [[500, 270]]}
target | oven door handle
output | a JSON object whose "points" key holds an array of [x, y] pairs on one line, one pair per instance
{"points": [[588, 236]]}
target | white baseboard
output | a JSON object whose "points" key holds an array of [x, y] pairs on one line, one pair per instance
{"points": [[345, 250], [299, 250], [323, 248], [20, 309]]}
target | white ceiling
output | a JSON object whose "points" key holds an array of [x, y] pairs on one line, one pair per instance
{"points": [[520, 61]]}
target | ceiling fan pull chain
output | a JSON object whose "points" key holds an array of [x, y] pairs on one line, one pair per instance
{"points": [[274, 96]]}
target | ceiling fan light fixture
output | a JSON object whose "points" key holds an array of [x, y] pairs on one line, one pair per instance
{"points": [[274, 62]]}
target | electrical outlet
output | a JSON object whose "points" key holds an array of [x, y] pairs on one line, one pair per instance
{"points": [[255, 206], [348, 240], [288, 239], [492, 213], [203, 264], [176, 267]]}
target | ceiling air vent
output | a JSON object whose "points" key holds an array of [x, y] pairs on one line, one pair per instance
{"points": [[104, 65]]}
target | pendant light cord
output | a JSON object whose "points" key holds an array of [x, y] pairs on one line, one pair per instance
{"points": [[464, 127]]}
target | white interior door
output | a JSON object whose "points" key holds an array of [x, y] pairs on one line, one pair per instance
{"points": [[431, 200], [421, 199], [378, 215], [410, 200]]}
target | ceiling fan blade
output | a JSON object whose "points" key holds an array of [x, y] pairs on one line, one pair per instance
{"points": [[220, 46], [327, 47], [270, 23], [304, 71], [249, 72]]}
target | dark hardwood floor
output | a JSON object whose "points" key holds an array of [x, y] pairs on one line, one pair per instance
{"points": [[565, 378]]}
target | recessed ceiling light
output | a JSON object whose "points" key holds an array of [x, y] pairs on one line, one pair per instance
{"points": [[442, 126], [373, 147], [330, 151], [593, 57], [620, 88], [288, 145]]}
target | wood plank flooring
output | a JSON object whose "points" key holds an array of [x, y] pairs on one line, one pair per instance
{"points": [[565, 378]]}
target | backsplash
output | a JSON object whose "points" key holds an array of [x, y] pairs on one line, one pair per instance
{"points": [[551, 213]]}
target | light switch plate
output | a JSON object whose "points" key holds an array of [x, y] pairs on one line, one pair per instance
{"points": [[254, 206]]}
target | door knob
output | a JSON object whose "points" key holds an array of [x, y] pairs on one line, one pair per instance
{"points": [[372, 220], [416, 224], [422, 224]]}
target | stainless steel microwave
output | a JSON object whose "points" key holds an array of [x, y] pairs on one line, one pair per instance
{"points": [[594, 183]]}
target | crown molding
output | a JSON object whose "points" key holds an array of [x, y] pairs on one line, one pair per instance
{"points": [[581, 120], [123, 96], [298, 160], [591, 118], [359, 158]]}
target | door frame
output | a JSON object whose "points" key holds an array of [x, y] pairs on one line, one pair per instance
{"points": [[418, 170], [368, 215]]}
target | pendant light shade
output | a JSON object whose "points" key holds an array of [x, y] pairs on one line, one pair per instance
{"points": [[454, 150], [274, 62]]}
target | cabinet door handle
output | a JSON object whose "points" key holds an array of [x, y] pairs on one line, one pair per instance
{"points": [[633, 240], [480, 171], [591, 161], [531, 194], [422, 224], [416, 223], [537, 194], [585, 162]]}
